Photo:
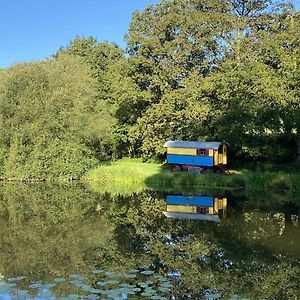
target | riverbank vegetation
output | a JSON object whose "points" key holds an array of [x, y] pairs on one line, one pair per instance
{"points": [[135, 176], [209, 70]]}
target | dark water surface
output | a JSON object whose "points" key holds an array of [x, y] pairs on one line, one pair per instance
{"points": [[69, 242]]}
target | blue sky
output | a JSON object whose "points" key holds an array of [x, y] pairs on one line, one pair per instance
{"points": [[35, 29]]}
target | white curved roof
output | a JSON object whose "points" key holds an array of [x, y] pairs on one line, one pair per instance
{"points": [[193, 144], [204, 217]]}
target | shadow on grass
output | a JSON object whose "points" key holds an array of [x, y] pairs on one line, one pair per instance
{"points": [[126, 176], [252, 180]]}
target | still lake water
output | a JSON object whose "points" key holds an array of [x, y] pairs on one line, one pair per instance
{"points": [[70, 242]]}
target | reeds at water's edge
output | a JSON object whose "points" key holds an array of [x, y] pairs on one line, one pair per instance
{"points": [[132, 172]]}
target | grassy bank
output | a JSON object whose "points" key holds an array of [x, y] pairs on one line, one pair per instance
{"points": [[138, 175]]}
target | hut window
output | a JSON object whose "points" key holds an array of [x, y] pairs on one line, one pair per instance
{"points": [[202, 210], [201, 152]]}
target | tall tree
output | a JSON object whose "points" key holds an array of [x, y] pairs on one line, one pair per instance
{"points": [[205, 59], [168, 41], [48, 113], [99, 56]]}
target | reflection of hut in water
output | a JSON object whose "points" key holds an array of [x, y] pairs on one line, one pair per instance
{"points": [[196, 207]]}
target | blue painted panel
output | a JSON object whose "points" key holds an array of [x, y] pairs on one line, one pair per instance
{"points": [[190, 200], [204, 161]]}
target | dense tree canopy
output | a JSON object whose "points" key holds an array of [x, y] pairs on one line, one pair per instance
{"points": [[48, 116], [192, 70], [213, 71]]}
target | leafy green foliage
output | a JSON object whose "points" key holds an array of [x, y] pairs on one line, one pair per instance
{"points": [[210, 70], [176, 116], [248, 110], [48, 116], [233, 80], [99, 57]]}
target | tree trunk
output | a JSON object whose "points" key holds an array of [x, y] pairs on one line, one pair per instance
{"points": [[298, 148]]}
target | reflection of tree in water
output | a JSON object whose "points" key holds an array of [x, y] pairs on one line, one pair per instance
{"points": [[236, 256], [51, 231]]}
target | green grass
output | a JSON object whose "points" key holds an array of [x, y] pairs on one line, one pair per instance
{"points": [[134, 175], [124, 171]]}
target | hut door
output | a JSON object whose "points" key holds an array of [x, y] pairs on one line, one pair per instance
{"points": [[220, 155], [224, 155]]}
